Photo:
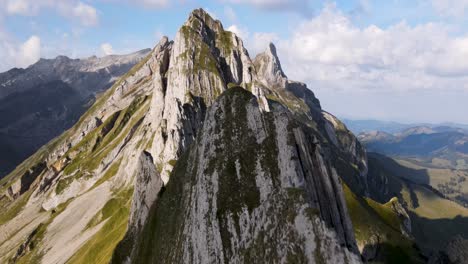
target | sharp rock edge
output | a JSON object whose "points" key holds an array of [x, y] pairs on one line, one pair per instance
{"points": [[196, 103]]}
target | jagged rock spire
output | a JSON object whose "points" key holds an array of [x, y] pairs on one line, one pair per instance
{"points": [[180, 120], [269, 68]]}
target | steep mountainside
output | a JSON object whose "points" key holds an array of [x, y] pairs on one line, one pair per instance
{"points": [[435, 220], [42, 101], [197, 155], [432, 156], [450, 144]]}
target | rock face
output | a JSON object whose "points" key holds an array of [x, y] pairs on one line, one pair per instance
{"points": [[254, 187], [42, 101], [197, 155], [456, 252]]}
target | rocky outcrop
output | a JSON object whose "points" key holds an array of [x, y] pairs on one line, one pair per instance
{"points": [[41, 102], [456, 252], [199, 140], [254, 187], [148, 184], [269, 68]]}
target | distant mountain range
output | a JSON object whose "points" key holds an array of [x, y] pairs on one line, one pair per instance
{"points": [[443, 146], [359, 126], [201, 154], [40, 102], [440, 154]]}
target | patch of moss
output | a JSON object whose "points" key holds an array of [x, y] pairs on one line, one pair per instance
{"points": [[172, 162], [62, 184], [224, 41]]}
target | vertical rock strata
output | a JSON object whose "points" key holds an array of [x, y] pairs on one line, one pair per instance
{"points": [[213, 157], [252, 188]]}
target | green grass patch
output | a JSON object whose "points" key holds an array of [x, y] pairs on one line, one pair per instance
{"points": [[111, 172], [100, 247], [371, 218], [93, 151], [62, 184], [14, 208], [172, 162]]}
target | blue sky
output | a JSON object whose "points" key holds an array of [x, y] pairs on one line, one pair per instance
{"points": [[395, 60]]}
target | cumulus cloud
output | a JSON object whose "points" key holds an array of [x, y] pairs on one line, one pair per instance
{"points": [[107, 49], [330, 49], [259, 41], [86, 14], [230, 13], [300, 6], [18, 54], [243, 33], [456, 8], [152, 3], [22, 7], [29, 52], [82, 12], [256, 42]]}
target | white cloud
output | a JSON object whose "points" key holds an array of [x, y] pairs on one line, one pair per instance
{"points": [[22, 7], [260, 40], [300, 6], [256, 42], [153, 3], [107, 49], [18, 54], [331, 51], [84, 13], [230, 13], [29, 52], [243, 33], [456, 8]]}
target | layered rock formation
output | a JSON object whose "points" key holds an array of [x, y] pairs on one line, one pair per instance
{"points": [[198, 154], [41, 102], [254, 187]]}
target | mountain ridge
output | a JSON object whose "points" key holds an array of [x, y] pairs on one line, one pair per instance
{"points": [[42, 101], [159, 153]]}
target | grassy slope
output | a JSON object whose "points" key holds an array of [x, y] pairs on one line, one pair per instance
{"points": [[100, 247], [437, 176], [435, 220], [117, 223], [371, 218]]}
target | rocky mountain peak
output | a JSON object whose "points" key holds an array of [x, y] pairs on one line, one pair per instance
{"points": [[199, 18], [269, 68], [209, 155]]}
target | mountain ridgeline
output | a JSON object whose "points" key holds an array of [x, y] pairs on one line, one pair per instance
{"points": [[42, 101], [199, 154]]}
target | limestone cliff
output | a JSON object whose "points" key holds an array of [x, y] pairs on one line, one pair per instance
{"points": [[198, 154]]}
